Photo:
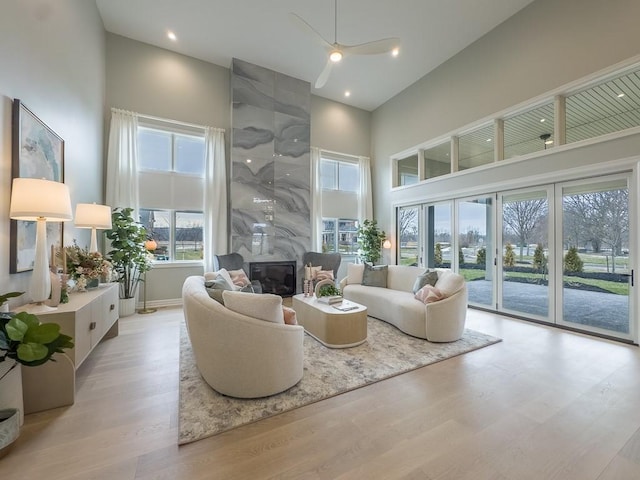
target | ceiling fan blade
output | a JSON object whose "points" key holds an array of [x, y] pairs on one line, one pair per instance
{"points": [[372, 48], [302, 23], [324, 76]]}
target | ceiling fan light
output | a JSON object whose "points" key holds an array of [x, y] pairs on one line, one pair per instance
{"points": [[395, 52], [335, 56]]}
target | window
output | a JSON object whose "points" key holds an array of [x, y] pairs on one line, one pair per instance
{"points": [[476, 148], [408, 170], [339, 175], [339, 235], [529, 132], [437, 160], [171, 181]]}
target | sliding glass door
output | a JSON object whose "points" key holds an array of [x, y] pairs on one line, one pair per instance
{"points": [[596, 255], [476, 248], [524, 254]]}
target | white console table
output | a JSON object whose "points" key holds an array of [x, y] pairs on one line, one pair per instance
{"points": [[87, 318]]}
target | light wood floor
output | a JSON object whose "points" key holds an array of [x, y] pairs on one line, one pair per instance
{"points": [[542, 404]]}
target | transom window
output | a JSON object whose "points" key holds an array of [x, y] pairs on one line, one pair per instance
{"points": [[170, 152], [339, 175]]}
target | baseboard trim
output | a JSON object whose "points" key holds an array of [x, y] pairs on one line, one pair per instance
{"points": [[169, 302]]}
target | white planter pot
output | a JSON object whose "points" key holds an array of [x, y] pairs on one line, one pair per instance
{"points": [[127, 307], [9, 429], [11, 388]]}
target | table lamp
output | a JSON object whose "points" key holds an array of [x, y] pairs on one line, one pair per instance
{"points": [[90, 215], [42, 201]]}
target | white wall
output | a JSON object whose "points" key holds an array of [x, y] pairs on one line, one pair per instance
{"points": [[154, 81], [548, 44], [52, 57]]}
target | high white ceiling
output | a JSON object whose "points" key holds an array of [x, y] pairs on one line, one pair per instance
{"points": [[262, 32]]}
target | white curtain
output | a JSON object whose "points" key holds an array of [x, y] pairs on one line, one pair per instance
{"points": [[316, 201], [365, 202], [215, 197], [122, 161]]}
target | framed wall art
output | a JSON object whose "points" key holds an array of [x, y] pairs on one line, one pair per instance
{"points": [[37, 152]]}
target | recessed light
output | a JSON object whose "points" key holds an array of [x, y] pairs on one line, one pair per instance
{"points": [[620, 95], [347, 93], [488, 139], [395, 52], [171, 36], [542, 120], [248, 160]]}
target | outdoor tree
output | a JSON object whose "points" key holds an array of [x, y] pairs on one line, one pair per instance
{"points": [[572, 261], [481, 257], [460, 257], [539, 259], [522, 217], [602, 218], [437, 254], [509, 259]]}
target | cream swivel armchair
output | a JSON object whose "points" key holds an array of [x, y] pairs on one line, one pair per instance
{"points": [[237, 355]]}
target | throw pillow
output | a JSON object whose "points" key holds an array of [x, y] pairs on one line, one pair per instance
{"points": [[324, 275], [239, 278], [216, 287], [430, 277], [289, 315], [450, 282], [429, 294], [266, 307], [354, 273], [375, 276], [223, 273]]}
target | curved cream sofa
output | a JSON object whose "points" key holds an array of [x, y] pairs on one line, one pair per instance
{"points": [[237, 355], [441, 321]]}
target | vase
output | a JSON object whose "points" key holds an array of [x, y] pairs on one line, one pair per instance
{"points": [[127, 307]]}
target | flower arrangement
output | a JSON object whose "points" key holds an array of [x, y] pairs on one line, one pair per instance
{"points": [[84, 266]]}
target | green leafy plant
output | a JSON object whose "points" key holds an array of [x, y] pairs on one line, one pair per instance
{"points": [[328, 290], [128, 255], [370, 239], [26, 341]]}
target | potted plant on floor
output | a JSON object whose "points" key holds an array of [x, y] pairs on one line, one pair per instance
{"points": [[128, 256], [23, 341], [370, 239]]}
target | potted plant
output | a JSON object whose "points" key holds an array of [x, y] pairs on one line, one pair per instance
{"points": [[23, 341], [128, 256], [370, 239], [85, 267]]}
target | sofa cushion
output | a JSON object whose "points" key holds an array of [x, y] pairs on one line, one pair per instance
{"points": [[224, 274], [449, 282], [289, 315], [427, 278], [429, 294], [354, 273], [239, 278], [215, 288], [375, 276], [264, 307]]}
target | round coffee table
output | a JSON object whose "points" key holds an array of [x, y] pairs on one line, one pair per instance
{"points": [[332, 327]]}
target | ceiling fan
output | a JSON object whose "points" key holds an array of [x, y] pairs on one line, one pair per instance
{"points": [[336, 51]]}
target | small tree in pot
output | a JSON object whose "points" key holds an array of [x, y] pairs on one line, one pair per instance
{"points": [[128, 255], [370, 240]]}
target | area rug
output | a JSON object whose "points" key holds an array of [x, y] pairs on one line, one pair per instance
{"points": [[327, 372]]}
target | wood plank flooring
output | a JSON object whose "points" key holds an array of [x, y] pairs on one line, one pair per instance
{"points": [[542, 404]]}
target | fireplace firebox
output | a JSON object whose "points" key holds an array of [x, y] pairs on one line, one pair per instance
{"points": [[278, 278]]}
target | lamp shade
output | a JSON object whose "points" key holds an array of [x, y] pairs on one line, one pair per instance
{"points": [[34, 198], [90, 215]]}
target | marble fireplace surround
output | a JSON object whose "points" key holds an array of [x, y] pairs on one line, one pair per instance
{"points": [[270, 178]]}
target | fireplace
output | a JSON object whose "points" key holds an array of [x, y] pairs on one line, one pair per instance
{"points": [[278, 278]]}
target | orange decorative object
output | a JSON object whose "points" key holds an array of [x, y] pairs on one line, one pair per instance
{"points": [[150, 245]]}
